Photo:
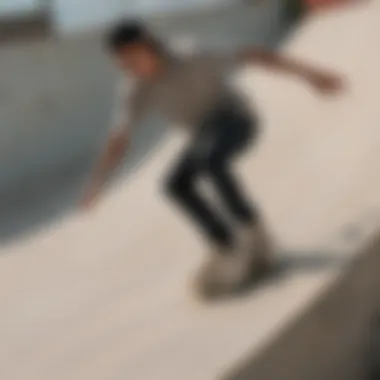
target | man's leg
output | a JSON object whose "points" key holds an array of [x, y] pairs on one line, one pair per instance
{"points": [[232, 193], [232, 134], [223, 272], [182, 187], [252, 234]]}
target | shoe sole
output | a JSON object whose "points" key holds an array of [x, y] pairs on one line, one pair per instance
{"points": [[260, 270], [210, 292]]}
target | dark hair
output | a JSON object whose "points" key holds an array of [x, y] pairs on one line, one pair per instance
{"points": [[128, 33]]}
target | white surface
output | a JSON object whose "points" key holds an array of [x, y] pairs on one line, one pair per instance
{"points": [[104, 296]]}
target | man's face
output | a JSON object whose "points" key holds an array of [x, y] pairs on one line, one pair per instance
{"points": [[138, 59]]}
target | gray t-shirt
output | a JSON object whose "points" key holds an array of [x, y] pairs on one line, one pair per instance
{"points": [[184, 93]]}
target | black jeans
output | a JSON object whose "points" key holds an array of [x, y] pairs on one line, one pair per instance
{"points": [[222, 135]]}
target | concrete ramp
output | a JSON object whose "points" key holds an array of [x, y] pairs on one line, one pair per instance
{"points": [[106, 296]]}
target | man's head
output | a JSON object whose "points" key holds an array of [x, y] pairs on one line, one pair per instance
{"points": [[135, 50]]}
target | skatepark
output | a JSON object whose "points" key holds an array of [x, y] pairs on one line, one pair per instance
{"points": [[107, 294]]}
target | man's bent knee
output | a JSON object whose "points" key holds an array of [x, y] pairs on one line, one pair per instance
{"points": [[177, 186]]}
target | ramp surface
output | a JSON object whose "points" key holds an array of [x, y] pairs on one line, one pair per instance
{"points": [[105, 295]]}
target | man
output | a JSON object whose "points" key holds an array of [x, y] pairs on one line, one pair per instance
{"points": [[194, 92]]}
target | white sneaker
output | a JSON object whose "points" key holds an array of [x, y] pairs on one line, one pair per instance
{"points": [[225, 272], [255, 242]]}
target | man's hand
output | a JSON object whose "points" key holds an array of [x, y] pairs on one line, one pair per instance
{"points": [[326, 83], [90, 196], [321, 80], [108, 162]]}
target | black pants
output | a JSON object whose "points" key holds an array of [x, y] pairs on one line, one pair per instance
{"points": [[225, 133]]}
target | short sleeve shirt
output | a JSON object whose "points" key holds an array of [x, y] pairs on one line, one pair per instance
{"points": [[188, 88]]}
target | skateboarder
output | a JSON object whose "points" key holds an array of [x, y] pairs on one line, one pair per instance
{"points": [[195, 93]]}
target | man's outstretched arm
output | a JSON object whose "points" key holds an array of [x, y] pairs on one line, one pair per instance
{"points": [[109, 160], [323, 80], [127, 112]]}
